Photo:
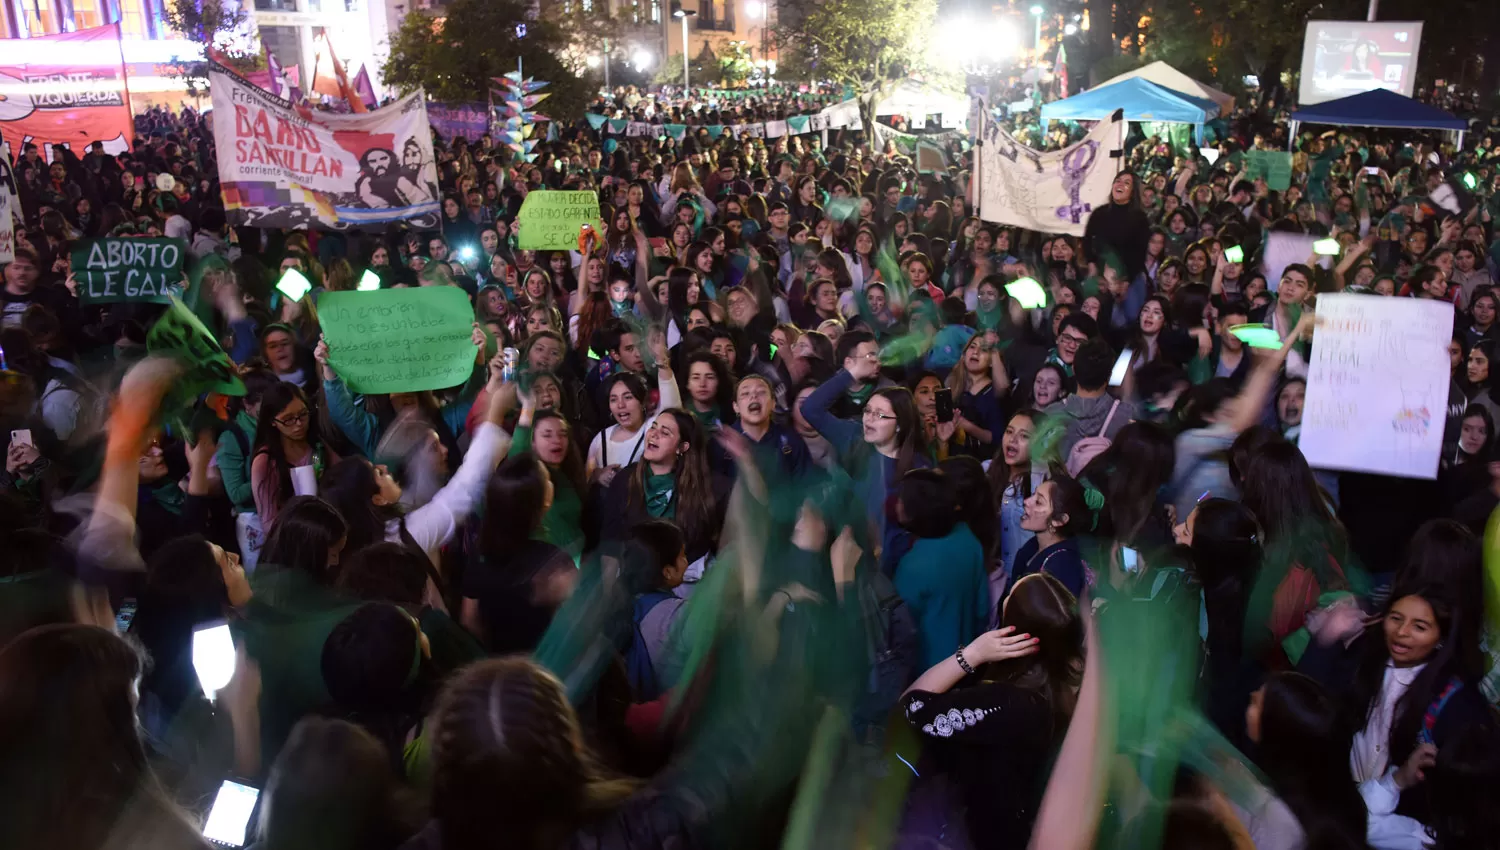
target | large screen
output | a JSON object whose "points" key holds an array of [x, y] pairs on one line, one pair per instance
{"points": [[1340, 58]]}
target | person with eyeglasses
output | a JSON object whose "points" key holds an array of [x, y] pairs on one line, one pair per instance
{"points": [[1075, 330], [284, 439]]}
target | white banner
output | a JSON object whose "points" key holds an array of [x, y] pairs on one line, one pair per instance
{"points": [[775, 129], [286, 166], [637, 128], [1051, 192], [9, 206], [1377, 385]]}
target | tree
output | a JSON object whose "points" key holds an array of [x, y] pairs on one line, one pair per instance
{"points": [[456, 57], [869, 45], [212, 24], [735, 66]]}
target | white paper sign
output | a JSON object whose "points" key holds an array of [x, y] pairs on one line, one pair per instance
{"points": [[775, 129], [1051, 192], [9, 206], [1377, 385]]}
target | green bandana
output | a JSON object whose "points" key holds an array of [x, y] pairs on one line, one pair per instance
{"points": [[660, 490]]}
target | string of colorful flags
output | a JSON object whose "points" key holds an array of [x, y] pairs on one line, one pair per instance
{"points": [[514, 121], [794, 125]]}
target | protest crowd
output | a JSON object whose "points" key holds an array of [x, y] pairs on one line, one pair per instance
{"points": [[766, 511]]}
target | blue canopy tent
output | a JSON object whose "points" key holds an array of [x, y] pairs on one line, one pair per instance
{"points": [[1379, 108], [1141, 99]]}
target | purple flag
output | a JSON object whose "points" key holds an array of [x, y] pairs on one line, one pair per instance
{"points": [[279, 85], [364, 89]]}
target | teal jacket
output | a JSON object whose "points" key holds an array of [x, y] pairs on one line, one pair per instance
{"points": [[364, 428], [236, 442], [944, 583]]}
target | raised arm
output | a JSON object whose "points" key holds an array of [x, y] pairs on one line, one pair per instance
{"points": [[842, 433], [359, 425], [1251, 401]]}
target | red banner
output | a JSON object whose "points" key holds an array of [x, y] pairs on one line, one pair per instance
{"points": [[69, 87]]}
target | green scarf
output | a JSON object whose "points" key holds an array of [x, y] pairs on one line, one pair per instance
{"points": [[709, 419], [862, 395], [660, 490]]}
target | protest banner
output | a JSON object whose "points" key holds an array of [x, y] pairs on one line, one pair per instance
{"points": [[399, 340], [114, 270], [1052, 192], [180, 335], [283, 166], [9, 206], [1275, 167], [459, 120], [1281, 250], [1377, 385], [550, 220], [68, 87]]}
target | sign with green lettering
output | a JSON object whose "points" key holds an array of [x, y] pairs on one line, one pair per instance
{"points": [[550, 220], [128, 269], [399, 340]]}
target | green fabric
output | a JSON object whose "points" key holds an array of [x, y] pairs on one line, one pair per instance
{"points": [[659, 492], [562, 526], [286, 622], [452, 645], [168, 494], [1199, 370], [709, 419]]}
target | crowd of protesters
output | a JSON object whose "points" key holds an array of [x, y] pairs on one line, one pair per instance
{"points": [[790, 526]]}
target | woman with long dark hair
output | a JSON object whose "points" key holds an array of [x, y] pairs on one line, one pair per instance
{"points": [[1130, 475], [545, 432], [1306, 547], [997, 735], [942, 576], [1013, 478], [371, 498], [519, 580], [285, 438], [1300, 744], [672, 480], [878, 450], [710, 390]]}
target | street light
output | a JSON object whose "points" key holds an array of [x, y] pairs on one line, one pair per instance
{"points": [[760, 11], [683, 15], [1070, 29], [641, 59], [1036, 12]]}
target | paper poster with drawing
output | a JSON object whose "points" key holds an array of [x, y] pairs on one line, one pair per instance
{"points": [[1377, 385], [1052, 192]]}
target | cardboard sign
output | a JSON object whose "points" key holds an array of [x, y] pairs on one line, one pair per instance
{"points": [[550, 220], [115, 270], [179, 334], [1377, 385], [1275, 167], [399, 340]]}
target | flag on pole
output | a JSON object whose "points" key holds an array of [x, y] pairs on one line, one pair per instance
{"points": [[279, 86], [1061, 70], [364, 88], [346, 91]]}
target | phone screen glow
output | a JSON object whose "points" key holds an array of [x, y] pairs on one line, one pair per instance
{"points": [[230, 815]]}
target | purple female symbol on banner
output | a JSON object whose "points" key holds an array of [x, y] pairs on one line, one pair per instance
{"points": [[1075, 169]]}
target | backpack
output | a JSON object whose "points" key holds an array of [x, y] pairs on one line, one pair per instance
{"points": [[93, 406], [638, 667], [890, 633], [1089, 448]]}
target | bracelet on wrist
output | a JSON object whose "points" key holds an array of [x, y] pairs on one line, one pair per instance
{"points": [[963, 665]]}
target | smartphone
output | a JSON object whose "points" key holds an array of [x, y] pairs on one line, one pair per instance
{"points": [[1234, 254], [125, 616], [657, 243], [229, 819], [1372, 171], [21, 437], [1326, 247], [294, 284], [1130, 560], [213, 656], [1121, 369], [944, 399], [1027, 292], [368, 281]]}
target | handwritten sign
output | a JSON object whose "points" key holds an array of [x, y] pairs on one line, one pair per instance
{"points": [[1377, 385], [136, 270], [179, 334], [399, 340], [1275, 167], [549, 220]]}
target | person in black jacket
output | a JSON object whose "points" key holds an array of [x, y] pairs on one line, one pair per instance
{"points": [[1120, 229]]}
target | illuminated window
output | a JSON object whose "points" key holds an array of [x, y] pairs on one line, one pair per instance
{"points": [[39, 18], [132, 19], [87, 13]]}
